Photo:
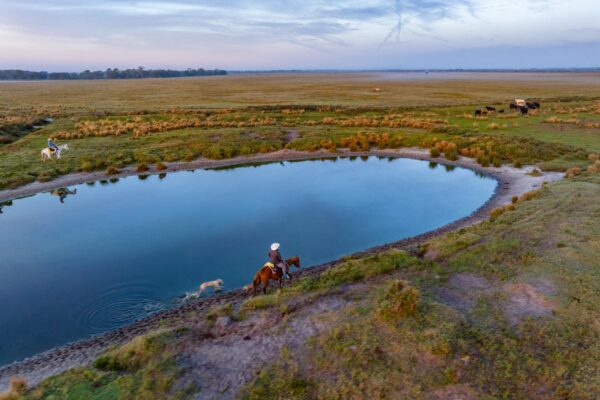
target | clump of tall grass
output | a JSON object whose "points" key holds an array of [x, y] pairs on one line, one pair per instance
{"points": [[498, 211], [527, 196], [399, 300], [141, 168], [160, 166], [16, 390], [112, 170], [134, 354], [572, 172]]}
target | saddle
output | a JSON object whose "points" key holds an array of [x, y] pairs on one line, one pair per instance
{"points": [[272, 267]]}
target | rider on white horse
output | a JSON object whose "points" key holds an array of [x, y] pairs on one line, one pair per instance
{"points": [[53, 147]]}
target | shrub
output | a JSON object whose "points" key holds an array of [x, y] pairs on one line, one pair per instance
{"points": [[493, 126], [160, 166], [518, 164], [514, 199], [112, 170], [434, 152], [484, 161], [592, 169], [141, 168], [451, 155], [400, 300], [593, 157], [535, 172]]}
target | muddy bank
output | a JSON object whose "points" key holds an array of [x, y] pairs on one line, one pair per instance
{"points": [[511, 182]]}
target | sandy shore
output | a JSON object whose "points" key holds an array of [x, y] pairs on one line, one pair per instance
{"points": [[511, 181]]}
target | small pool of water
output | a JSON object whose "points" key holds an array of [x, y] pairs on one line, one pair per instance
{"points": [[93, 257]]}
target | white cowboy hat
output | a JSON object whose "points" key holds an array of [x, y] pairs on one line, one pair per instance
{"points": [[274, 246]]}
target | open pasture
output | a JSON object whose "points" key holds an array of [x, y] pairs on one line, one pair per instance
{"points": [[112, 124]]}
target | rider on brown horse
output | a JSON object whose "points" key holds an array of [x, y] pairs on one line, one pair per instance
{"points": [[277, 260]]}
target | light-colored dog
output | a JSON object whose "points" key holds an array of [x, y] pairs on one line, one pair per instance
{"points": [[216, 285]]}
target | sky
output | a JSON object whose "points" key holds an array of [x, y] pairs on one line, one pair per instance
{"points": [[68, 35]]}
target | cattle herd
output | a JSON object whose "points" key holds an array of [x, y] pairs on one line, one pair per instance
{"points": [[519, 105]]}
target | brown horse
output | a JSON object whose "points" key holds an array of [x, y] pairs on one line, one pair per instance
{"points": [[265, 274]]}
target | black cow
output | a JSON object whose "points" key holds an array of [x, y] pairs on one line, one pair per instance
{"points": [[478, 113], [513, 106], [533, 105], [490, 108], [501, 111], [524, 110]]}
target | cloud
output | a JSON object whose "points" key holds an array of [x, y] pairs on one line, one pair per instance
{"points": [[286, 33]]}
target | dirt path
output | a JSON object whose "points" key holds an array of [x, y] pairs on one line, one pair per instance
{"points": [[511, 181]]}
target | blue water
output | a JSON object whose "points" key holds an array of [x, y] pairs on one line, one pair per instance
{"points": [[114, 252]]}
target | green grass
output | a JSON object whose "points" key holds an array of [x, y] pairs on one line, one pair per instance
{"points": [[144, 368]]}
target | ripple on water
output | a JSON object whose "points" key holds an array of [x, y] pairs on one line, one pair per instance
{"points": [[119, 305]]}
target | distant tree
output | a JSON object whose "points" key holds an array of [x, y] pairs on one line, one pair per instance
{"points": [[110, 73]]}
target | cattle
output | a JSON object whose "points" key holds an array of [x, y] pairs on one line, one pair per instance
{"points": [[520, 102], [513, 106], [478, 113], [524, 110], [533, 105], [501, 111], [490, 108]]}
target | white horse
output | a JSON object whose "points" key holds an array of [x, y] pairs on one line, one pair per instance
{"points": [[47, 153]]}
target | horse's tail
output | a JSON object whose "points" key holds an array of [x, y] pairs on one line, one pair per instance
{"points": [[256, 280]]}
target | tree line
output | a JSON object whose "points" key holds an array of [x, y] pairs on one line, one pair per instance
{"points": [[110, 73]]}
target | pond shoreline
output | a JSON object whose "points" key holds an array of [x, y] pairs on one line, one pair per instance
{"points": [[510, 181], [79, 178]]}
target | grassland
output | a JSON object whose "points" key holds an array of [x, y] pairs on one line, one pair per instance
{"points": [[114, 124], [506, 309]]}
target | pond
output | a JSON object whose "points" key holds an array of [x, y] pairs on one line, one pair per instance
{"points": [[87, 259]]}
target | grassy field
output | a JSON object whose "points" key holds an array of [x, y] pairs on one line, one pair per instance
{"points": [[506, 309], [120, 123]]}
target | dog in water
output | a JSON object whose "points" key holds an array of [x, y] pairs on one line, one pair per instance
{"points": [[216, 285]]}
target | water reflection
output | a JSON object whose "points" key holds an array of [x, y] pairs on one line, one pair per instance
{"points": [[449, 168], [433, 165], [63, 193], [3, 204]]}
